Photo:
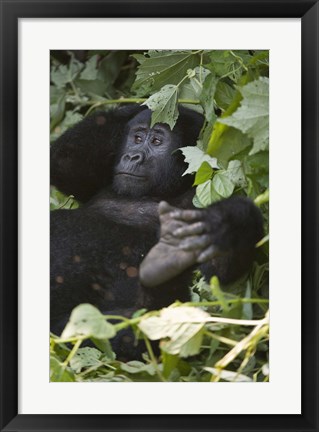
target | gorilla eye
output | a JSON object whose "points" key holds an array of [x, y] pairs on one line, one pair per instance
{"points": [[156, 141], [138, 139]]}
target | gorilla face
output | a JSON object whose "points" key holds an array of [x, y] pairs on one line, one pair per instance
{"points": [[147, 164]]}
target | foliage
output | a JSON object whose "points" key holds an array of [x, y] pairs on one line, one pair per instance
{"points": [[222, 333]]}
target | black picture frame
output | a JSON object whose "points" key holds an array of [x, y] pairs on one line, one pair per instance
{"points": [[11, 11]]}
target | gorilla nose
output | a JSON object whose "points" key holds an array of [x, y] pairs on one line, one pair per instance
{"points": [[134, 157]]}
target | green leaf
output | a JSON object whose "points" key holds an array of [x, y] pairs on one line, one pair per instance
{"points": [[228, 375], [91, 87], [260, 58], [164, 106], [206, 194], [227, 142], [207, 97], [105, 347], [197, 77], [55, 94], [224, 95], [178, 326], [110, 67], [194, 156], [203, 174], [252, 117], [58, 373], [218, 293], [170, 363], [87, 321], [247, 307], [134, 367], [63, 74], [59, 76], [192, 88], [235, 173], [196, 202], [57, 112], [191, 347], [84, 358], [186, 91], [158, 68], [229, 63], [222, 185], [90, 70], [221, 62]]}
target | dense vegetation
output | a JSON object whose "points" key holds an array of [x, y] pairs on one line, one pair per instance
{"points": [[222, 334]]}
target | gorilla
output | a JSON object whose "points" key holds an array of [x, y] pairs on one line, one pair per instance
{"points": [[136, 239]]}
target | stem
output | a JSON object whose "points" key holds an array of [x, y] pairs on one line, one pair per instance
{"points": [[65, 202], [153, 359], [73, 339], [256, 334], [262, 198], [220, 338], [75, 90], [262, 241], [231, 72], [218, 303], [72, 353], [182, 80], [95, 104], [93, 368], [116, 317], [240, 60], [127, 323]]}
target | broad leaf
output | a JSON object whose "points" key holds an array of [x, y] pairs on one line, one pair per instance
{"points": [[90, 70], [59, 373], [207, 97], [85, 357], [235, 173], [197, 78], [228, 375], [164, 106], [92, 87], [87, 321], [206, 194], [252, 117], [203, 174], [195, 157], [159, 68], [134, 367], [222, 185], [224, 95], [179, 326]]}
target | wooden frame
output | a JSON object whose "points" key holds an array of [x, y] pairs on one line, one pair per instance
{"points": [[308, 11]]}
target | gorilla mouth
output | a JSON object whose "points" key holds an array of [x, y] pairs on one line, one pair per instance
{"points": [[126, 174]]}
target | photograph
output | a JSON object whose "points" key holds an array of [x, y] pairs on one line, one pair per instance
{"points": [[159, 224], [159, 216]]}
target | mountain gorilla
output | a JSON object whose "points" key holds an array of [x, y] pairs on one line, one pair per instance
{"points": [[137, 238]]}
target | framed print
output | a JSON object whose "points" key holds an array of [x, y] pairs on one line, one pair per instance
{"points": [[118, 88]]}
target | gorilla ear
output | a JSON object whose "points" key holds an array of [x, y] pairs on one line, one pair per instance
{"points": [[82, 159]]}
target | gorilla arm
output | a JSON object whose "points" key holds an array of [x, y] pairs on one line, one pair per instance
{"points": [[220, 240]]}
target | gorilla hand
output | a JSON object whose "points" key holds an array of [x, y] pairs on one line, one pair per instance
{"points": [[184, 241]]}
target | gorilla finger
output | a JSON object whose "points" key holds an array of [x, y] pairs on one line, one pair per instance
{"points": [[187, 215], [164, 208], [195, 242], [190, 230], [209, 253]]}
